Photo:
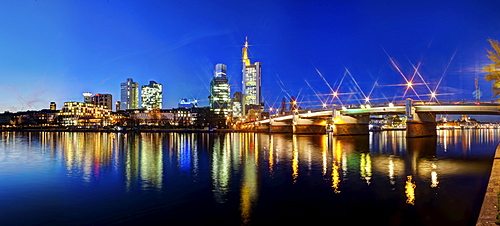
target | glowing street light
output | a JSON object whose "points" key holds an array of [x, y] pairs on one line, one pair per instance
{"points": [[409, 84], [391, 105]]}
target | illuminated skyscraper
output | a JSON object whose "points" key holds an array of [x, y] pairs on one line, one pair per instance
{"points": [[129, 95], [152, 96], [220, 91], [251, 82]]}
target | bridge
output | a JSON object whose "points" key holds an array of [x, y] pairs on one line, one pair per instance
{"points": [[355, 119]]}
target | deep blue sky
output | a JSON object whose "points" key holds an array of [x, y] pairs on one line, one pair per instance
{"points": [[54, 50]]}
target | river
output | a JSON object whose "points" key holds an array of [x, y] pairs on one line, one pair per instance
{"points": [[82, 178]]}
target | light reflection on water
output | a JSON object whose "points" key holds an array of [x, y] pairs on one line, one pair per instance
{"points": [[243, 178]]}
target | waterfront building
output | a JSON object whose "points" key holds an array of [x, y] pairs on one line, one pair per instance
{"points": [[84, 114], [103, 100], [25, 119], [172, 118], [220, 91], [129, 95], [251, 82], [152, 96]]}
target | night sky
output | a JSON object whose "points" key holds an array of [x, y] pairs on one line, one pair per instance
{"points": [[54, 50]]}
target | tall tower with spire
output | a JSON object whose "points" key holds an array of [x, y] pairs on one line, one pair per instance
{"points": [[251, 82]]}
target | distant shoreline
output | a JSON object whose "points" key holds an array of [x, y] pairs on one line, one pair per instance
{"points": [[153, 130]]}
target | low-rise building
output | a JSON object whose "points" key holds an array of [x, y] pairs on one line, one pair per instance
{"points": [[84, 114]]}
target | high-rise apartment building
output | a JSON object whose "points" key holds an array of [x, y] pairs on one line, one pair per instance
{"points": [[220, 96], [52, 106], [103, 100], [251, 82], [129, 95], [117, 106], [152, 96]]}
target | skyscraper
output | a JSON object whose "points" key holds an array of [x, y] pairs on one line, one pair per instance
{"points": [[152, 96], [220, 91], [129, 95], [251, 82]]}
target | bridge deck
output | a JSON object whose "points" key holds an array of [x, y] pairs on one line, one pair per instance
{"points": [[456, 108]]}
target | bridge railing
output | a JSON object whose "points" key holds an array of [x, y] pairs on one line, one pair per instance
{"points": [[402, 103], [419, 102]]}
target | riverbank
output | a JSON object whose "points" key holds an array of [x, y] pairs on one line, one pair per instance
{"points": [[489, 209]]}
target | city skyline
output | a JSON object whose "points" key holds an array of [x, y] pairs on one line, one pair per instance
{"points": [[54, 51]]}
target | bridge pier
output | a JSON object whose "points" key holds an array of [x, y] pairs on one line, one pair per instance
{"points": [[422, 125], [280, 127], [308, 126], [350, 125], [262, 127]]}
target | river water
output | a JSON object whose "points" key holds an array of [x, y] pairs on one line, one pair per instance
{"points": [[72, 178]]}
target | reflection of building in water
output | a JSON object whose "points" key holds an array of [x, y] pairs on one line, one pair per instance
{"points": [[221, 167], [250, 184], [151, 160], [86, 154], [144, 160], [131, 153], [187, 153]]}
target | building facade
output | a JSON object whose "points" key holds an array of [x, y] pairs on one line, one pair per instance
{"points": [[236, 104], [83, 114], [220, 91], [187, 103], [152, 96], [129, 91], [251, 82], [87, 97], [53, 106], [103, 100]]}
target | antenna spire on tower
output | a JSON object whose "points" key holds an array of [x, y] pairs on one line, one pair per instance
{"points": [[246, 61]]}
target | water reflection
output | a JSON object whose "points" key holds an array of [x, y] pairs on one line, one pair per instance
{"points": [[221, 168], [252, 171], [250, 183]]}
